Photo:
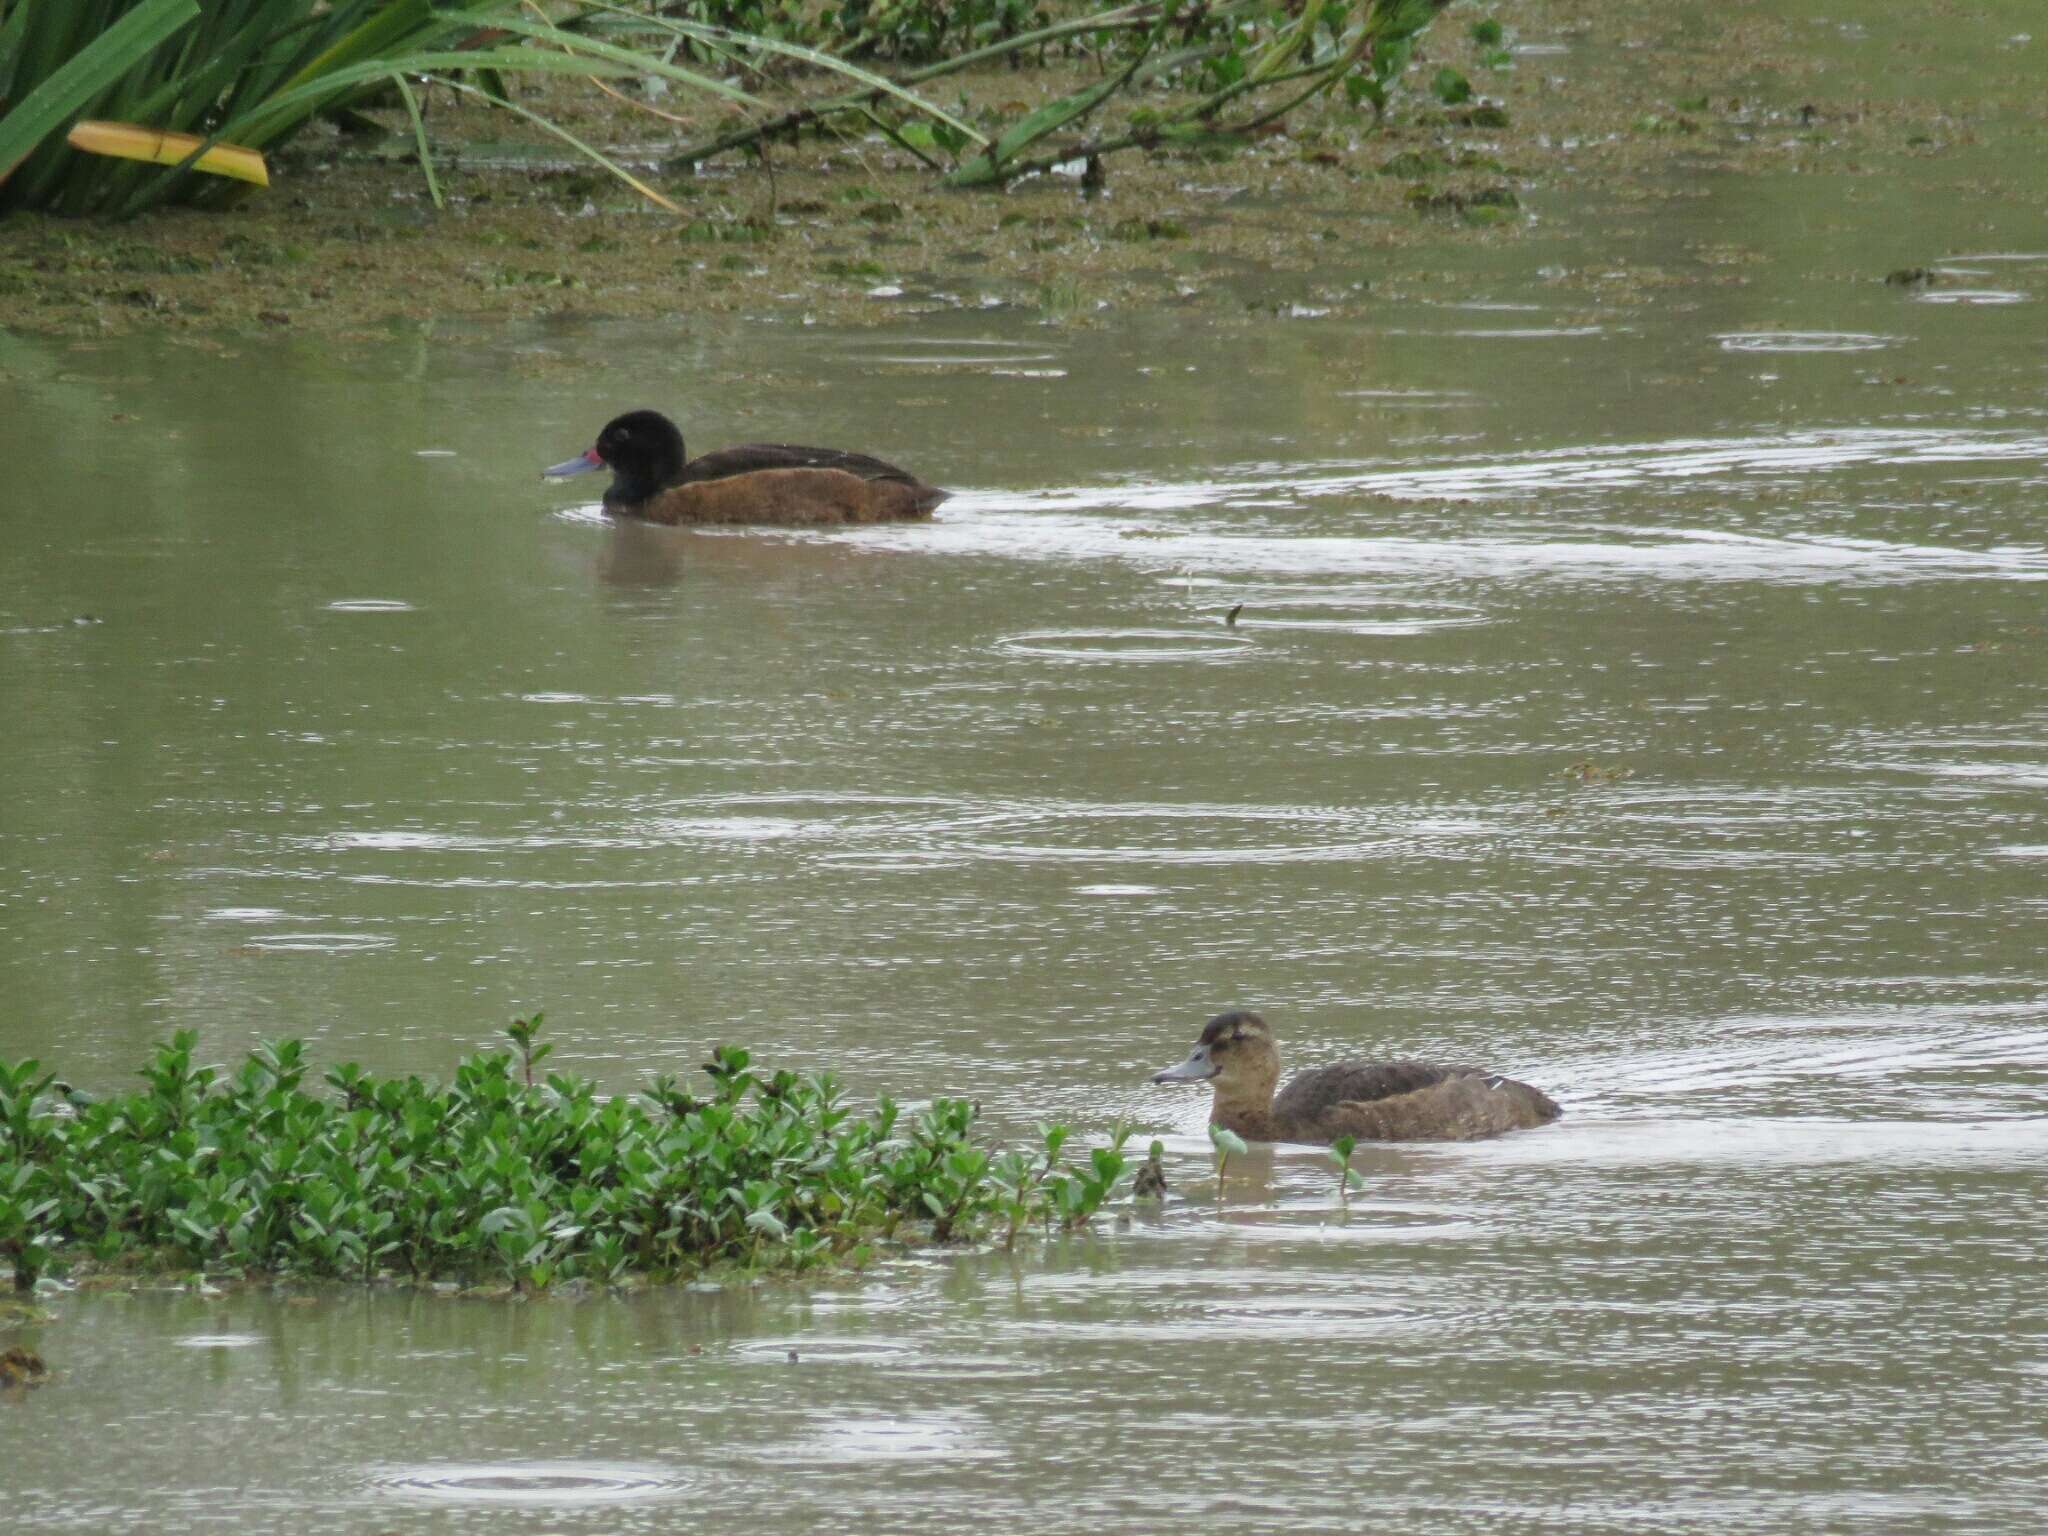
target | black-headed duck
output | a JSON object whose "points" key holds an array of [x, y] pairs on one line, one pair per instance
{"points": [[1371, 1100], [653, 478]]}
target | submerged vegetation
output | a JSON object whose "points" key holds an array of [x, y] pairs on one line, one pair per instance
{"points": [[500, 1176], [172, 100]]}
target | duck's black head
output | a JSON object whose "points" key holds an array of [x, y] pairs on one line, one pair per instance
{"points": [[642, 449]]}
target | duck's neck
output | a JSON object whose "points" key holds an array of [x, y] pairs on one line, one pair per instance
{"points": [[1249, 1114], [632, 490], [643, 481]]}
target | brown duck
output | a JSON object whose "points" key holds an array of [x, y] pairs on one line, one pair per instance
{"points": [[654, 478], [1371, 1100]]}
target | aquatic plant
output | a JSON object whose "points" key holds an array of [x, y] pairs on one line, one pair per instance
{"points": [[1348, 1178], [1073, 1198], [496, 1175], [1227, 1143]]}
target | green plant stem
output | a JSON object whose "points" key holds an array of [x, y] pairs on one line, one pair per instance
{"points": [[1150, 137]]}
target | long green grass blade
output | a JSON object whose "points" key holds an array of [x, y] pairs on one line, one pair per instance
{"points": [[71, 88], [276, 116], [387, 29], [568, 138], [273, 116], [645, 64], [419, 133], [13, 28]]}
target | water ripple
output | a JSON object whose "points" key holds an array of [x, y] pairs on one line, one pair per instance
{"points": [[1126, 645], [532, 1484], [1803, 341]]}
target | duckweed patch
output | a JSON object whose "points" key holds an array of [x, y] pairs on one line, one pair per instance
{"points": [[497, 1176]]}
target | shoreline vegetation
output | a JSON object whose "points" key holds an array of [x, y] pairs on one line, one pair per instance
{"points": [[169, 101], [505, 1176], [425, 207]]}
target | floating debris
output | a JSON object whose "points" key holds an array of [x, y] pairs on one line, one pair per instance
{"points": [[1586, 771], [22, 1368], [1149, 1183]]}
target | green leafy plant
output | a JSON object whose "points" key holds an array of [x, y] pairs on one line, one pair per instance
{"points": [[1491, 39], [1348, 1178], [497, 1175], [1228, 1144], [1451, 86], [522, 1032], [1073, 1198]]}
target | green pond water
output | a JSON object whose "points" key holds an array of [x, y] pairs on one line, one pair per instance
{"points": [[325, 717]]}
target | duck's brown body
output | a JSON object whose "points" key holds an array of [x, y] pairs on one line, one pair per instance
{"points": [[1389, 1101], [789, 498], [1371, 1101], [780, 484]]}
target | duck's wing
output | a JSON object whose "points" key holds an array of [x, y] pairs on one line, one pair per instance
{"points": [[748, 457], [1415, 1101], [1310, 1095]]}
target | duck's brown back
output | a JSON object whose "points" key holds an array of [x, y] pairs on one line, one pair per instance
{"points": [[790, 498], [1405, 1101]]}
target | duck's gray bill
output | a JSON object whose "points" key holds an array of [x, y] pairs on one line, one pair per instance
{"points": [[582, 464], [1198, 1068]]}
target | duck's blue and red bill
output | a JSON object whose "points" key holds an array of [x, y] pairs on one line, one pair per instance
{"points": [[582, 464]]}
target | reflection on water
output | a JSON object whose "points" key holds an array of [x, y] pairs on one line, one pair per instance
{"points": [[1642, 699]]}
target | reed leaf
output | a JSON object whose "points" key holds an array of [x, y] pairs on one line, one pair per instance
{"points": [[158, 146], [643, 63], [419, 133], [570, 139], [92, 70]]}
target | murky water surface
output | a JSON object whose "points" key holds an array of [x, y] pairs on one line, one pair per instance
{"points": [[1644, 698]]}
